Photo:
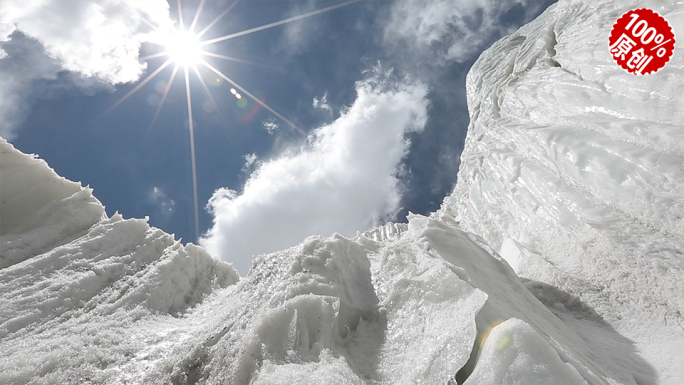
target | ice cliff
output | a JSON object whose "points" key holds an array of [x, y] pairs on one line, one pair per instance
{"points": [[557, 259], [573, 172]]}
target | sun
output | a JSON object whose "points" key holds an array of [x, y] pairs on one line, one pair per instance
{"points": [[184, 48]]}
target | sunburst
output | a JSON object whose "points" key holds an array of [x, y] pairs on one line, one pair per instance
{"points": [[185, 49]]}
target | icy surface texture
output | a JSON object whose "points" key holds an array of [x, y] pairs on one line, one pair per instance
{"points": [[573, 171], [40, 210], [406, 307], [116, 301], [515, 354], [73, 281]]}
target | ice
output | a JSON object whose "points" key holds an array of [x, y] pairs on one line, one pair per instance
{"points": [[40, 210], [77, 285], [557, 259], [513, 353], [573, 170], [121, 301]]}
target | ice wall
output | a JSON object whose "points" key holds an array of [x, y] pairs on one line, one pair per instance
{"points": [[573, 171]]}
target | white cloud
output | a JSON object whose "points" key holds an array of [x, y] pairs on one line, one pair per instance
{"points": [[159, 198], [250, 161], [93, 38], [458, 29], [31, 64], [97, 40], [299, 34], [270, 126], [322, 103], [344, 180]]}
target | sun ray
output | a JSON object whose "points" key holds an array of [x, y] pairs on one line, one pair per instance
{"points": [[149, 23], [262, 103], [185, 44], [213, 22], [277, 23], [155, 55], [232, 58], [211, 97], [197, 15], [180, 15], [191, 126], [134, 90], [164, 95]]}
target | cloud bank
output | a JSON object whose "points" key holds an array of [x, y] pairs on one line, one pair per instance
{"points": [[344, 180], [99, 41]]}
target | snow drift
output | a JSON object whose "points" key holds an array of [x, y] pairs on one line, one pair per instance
{"points": [[572, 172]]}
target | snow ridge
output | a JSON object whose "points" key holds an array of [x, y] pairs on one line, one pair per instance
{"points": [[72, 278]]}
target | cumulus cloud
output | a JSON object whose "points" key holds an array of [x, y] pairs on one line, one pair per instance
{"points": [[97, 40], [458, 29], [28, 64], [100, 39], [344, 180]]}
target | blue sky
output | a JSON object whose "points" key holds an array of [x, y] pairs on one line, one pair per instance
{"points": [[376, 88]]}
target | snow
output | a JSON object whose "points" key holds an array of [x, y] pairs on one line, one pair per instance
{"points": [[557, 259], [514, 353], [573, 172], [74, 280], [124, 302]]}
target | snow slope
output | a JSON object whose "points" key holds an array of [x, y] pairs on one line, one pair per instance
{"points": [[88, 298], [72, 278], [573, 172]]}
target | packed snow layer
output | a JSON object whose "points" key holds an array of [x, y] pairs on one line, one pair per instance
{"points": [[116, 301], [573, 171]]}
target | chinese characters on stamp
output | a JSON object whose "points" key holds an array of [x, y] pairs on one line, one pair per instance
{"points": [[641, 41]]}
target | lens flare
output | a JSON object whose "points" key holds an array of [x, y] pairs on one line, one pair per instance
{"points": [[185, 49]]}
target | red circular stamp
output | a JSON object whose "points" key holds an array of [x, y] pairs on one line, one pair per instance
{"points": [[641, 41]]}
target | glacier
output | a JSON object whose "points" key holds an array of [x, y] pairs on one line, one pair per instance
{"points": [[556, 259]]}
